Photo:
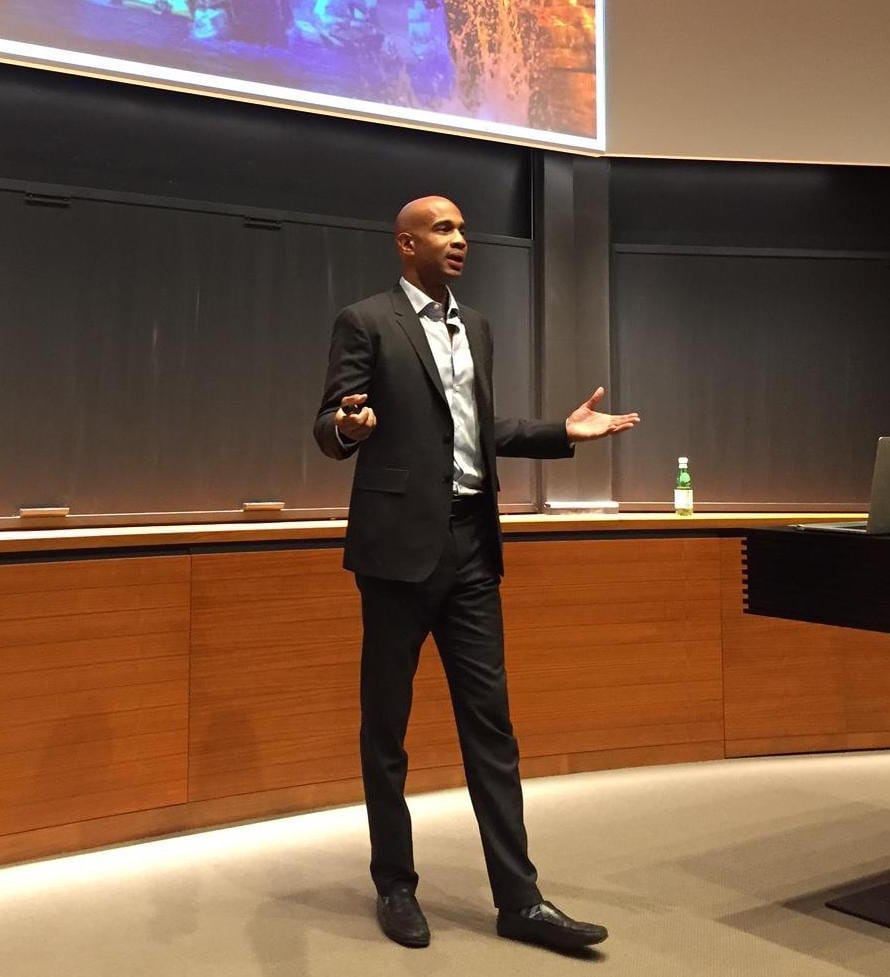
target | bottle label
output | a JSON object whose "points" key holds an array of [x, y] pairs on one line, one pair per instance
{"points": [[682, 500]]}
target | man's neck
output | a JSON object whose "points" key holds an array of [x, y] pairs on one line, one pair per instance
{"points": [[438, 292]]}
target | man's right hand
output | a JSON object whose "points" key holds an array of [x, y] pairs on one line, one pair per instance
{"points": [[355, 426]]}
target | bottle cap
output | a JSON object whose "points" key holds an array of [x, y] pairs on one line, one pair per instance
{"points": [[682, 461]]}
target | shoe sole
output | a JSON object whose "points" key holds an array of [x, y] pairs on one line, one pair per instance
{"points": [[553, 937], [411, 944]]}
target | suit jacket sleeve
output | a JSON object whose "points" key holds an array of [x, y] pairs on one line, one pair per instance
{"points": [[350, 368], [531, 439]]}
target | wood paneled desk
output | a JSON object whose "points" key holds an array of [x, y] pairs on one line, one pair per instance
{"points": [[828, 578], [160, 679]]}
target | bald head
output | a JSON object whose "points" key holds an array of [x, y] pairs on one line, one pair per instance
{"points": [[431, 244], [420, 211]]}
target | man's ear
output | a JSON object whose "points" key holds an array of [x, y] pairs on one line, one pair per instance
{"points": [[405, 242]]}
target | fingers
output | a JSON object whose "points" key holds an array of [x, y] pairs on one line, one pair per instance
{"points": [[359, 426], [591, 404], [364, 418], [595, 398], [623, 422], [352, 401], [355, 420]]}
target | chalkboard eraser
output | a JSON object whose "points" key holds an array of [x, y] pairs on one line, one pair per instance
{"points": [[262, 506], [43, 511]]}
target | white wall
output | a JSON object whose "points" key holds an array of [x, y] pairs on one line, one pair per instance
{"points": [[785, 80]]}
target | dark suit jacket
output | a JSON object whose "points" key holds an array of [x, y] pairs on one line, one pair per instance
{"points": [[401, 492]]}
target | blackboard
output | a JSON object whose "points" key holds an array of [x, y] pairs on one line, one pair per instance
{"points": [[170, 268], [769, 371], [158, 359]]}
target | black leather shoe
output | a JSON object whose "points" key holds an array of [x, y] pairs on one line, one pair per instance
{"points": [[400, 917], [545, 925]]}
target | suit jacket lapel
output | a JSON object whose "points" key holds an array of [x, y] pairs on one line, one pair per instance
{"points": [[481, 363], [410, 323]]}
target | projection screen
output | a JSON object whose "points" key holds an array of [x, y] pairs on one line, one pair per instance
{"points": [[516, 70]]}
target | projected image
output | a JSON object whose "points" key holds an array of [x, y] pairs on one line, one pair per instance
{"points": [[508, 67]]}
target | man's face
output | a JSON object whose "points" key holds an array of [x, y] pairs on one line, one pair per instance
{"points": [[435, 245]]}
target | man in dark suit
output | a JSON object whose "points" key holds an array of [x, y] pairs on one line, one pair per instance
{"points": [[409, 388]]}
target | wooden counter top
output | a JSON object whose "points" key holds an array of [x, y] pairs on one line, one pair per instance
{"points": [[87, 538]]}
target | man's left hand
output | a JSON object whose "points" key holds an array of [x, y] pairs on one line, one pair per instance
{"points": [[586, 423]]}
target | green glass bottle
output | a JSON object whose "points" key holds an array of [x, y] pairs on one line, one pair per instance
{"points": [[683, 489]]}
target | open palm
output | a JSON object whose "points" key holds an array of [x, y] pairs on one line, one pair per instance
{"points": [[586, 423]]}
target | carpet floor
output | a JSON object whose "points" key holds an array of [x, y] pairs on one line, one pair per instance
{"points": [[698, 870]]}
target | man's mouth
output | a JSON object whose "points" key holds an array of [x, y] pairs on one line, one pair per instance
{"points": [[456, 259]]}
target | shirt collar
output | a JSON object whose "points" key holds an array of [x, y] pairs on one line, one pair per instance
{"points": [[420, 300]]}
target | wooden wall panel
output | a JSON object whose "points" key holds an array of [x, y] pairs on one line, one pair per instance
{"points": [[629, 661], [794, 687], [80, 835], [619, 651], [614, 645], [276, 639], [93, 689], [276, 647]]}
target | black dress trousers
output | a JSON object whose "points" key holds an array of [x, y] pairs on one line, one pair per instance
{"points": [[459, 603]]}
